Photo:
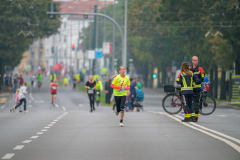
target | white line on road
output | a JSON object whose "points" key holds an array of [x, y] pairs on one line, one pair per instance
{"points": [[39, 101], [47, 127], [64, 109], [231, 144], [34, 137], [27, 141], [56, 105], [8, 156], [213, 131], [50, 125], [3, 106], [18, 147], [55, 120], [31, 96], [43, 130], [220, 116], [39, 132]]}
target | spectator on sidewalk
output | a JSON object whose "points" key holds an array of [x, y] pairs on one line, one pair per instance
{"points": [[6, 81], [107, 91], [139, 84], [227, 88], [21, 81], [132, 91], [15, 82]]}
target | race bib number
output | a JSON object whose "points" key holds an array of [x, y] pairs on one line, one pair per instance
{"points": [[90, 91], [121, 90], [54, 87]]}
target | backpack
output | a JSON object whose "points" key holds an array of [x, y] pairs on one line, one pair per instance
{"points": [[140, 95]]}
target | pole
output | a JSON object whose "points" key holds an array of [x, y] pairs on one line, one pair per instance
{"points": [[71, 51], [113, 42], [104, 31], [125, 38]]}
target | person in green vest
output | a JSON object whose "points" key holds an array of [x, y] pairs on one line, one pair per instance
{"points": [[139, 85], [39, 78], [98, 90], [52, 77]]}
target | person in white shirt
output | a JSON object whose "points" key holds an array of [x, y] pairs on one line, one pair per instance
{"points": [[22, 97]]}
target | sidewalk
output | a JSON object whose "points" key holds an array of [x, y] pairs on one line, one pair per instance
{"points": [[3, 97]]}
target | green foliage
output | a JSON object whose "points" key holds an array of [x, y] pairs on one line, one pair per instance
{"points": [[19, 18]]}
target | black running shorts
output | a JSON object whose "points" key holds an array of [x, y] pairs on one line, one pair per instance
{"points": [[120, 103]]}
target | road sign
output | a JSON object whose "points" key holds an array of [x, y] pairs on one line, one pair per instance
{"points": [[107, 48], [98, 54]]}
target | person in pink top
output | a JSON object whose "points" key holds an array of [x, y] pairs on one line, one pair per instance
{"points": [[16, 102]]}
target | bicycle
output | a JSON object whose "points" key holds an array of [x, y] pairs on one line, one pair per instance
{"points": [[173, 103]]}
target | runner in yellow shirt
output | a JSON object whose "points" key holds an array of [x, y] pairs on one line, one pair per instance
{"points": [[120, 85]]}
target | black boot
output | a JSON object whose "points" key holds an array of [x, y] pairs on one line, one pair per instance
{"points": [[186, 120], [194, 119]]}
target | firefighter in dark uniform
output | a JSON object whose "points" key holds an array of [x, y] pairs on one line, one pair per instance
{"points": [[185, 78], [198, 74]]}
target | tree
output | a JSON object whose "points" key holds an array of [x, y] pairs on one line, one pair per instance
{"points": [[22, 22]]}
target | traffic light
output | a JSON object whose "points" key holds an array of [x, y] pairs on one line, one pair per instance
{"points": [[73, 47], [52, 8], [154, 76]]}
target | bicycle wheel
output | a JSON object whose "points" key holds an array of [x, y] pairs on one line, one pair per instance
{"points": [[207, 105], [172, 104]]}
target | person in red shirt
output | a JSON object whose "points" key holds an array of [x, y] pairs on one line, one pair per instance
{"points": [[54, 87], [21, 81]]}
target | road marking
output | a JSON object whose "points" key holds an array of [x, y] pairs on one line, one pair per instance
{"points": [[50, 125], [39, 101], [220, 115], [40, 133], [29, 105], [55, 120], [18, 147], [34, 137], [27, 141], [46, 127], [8, 156], [31, 96], [213, 131], [3, 106], [231, 144], [56, 105], [64, 109], [43, 130]]}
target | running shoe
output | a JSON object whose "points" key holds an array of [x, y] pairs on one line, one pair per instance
{"points": [[113, 111], [20, 110], [25, 111], [121, 125]]}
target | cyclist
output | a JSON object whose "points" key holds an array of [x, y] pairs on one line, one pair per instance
{"points": [[54, 87], [205, 80], [198, 74], [185, 78], [90, 86], [120, 85]]}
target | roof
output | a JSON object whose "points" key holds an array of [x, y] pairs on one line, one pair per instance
{"points": [[82, 6]]}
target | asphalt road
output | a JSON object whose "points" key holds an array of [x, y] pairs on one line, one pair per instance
{"points": [[70, 132]]}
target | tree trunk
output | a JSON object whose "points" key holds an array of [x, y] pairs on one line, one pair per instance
{"points": [[2, 74], [237, 66], [145, 76], [216, 82], [164, 75], [150, 82], [223, 85], [230, 87], [159, 77], [211, 80]]}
